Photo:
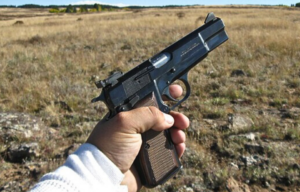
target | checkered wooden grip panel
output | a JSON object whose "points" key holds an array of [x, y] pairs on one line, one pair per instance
{"points": [[158, 159]]}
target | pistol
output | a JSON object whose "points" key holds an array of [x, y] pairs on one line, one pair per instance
{"points": [[146, 85]]}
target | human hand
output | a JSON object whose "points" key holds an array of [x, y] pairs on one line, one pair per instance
{"points": [[120, 137]]}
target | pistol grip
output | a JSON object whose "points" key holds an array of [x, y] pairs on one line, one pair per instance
{"points": [[157, 160]]}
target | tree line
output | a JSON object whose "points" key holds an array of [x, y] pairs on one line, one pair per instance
{"points": [[94, 6], [88, 6], [82, 8]]}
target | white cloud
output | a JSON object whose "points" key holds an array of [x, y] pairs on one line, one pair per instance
{"points": [[93, 2]]}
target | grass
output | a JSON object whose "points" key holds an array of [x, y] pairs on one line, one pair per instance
{"points": [[49, 53], [48, 66]]}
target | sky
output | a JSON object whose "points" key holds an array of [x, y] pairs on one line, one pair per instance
{"points": [[150, 2]]}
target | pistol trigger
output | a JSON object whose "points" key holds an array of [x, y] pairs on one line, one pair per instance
{"points": [[167, 94]]}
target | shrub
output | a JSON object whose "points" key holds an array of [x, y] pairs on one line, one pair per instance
{"points": [[71, 9], [93, 10], [54, 10], [83, 10], [63, 10], [180, 15], [19, 22]]}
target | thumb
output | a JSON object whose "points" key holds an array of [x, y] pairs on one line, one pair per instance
{"points": [[142, 119]]}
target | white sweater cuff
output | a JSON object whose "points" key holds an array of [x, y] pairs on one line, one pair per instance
{"points": [[88, 169]]}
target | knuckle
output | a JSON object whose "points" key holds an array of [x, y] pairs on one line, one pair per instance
{"points": [[120, 118], [154, 112], [151, 110]]}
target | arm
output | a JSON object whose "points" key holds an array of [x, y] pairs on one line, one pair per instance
{"points": [[88, 169], [107, 163], [123, 133]]}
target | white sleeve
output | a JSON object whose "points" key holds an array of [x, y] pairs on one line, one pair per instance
{"points": [[88, 169]]}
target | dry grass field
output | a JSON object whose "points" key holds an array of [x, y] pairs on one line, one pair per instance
{"points": [[49, 62]]}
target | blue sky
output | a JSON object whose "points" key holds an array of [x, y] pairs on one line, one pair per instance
{"points": [[147, 3]]}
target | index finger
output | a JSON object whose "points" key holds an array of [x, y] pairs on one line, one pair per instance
{"points": [[175, 91]]}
